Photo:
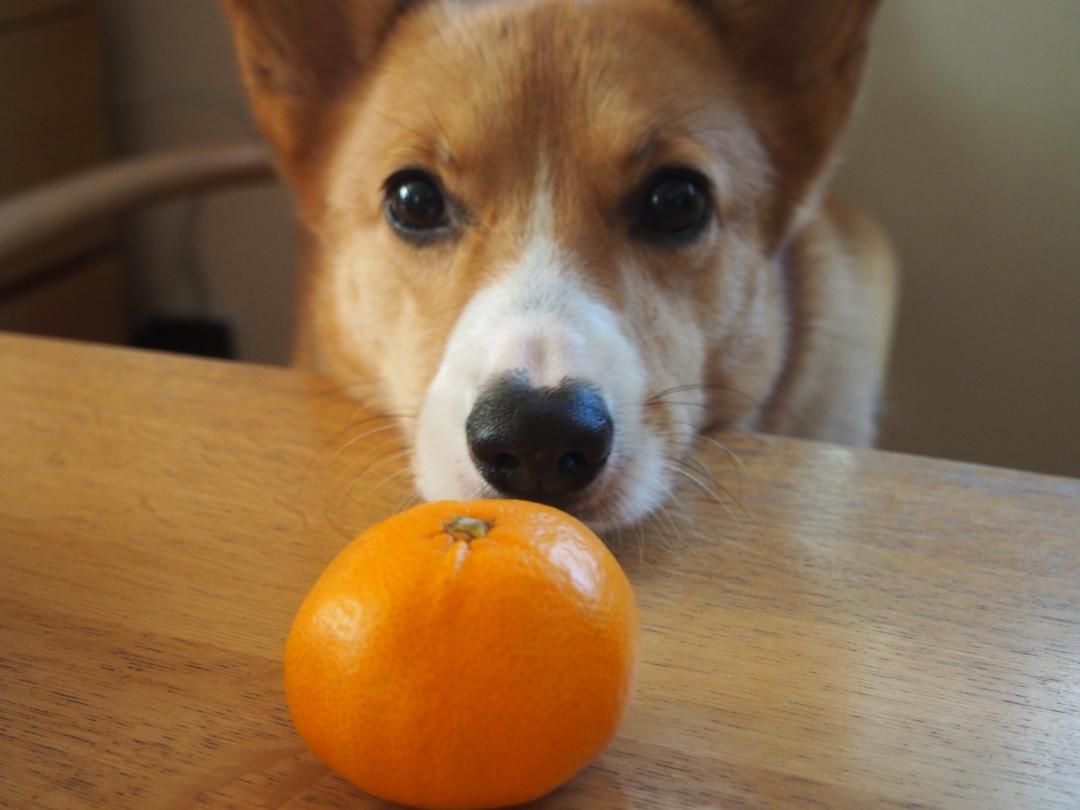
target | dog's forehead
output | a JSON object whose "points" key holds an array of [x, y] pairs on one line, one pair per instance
{"points": [[463, 80]]}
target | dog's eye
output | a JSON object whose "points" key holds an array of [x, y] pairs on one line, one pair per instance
{"points": [[415, 206], [676, 206]]}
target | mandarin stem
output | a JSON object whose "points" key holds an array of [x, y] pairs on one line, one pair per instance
{"points": [[468, 528]]}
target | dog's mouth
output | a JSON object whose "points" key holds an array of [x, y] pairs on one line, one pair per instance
{"points": [[567, 501], [586, 508], [597, 504]]}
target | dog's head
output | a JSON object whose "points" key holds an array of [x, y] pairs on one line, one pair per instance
{"points": [[549, 227]]}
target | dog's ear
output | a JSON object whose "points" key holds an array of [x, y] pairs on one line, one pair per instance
{"points": [[803, 59], [298, 56], [790, 44]]}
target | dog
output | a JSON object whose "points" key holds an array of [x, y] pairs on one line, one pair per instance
{"points": [[571, 236]]}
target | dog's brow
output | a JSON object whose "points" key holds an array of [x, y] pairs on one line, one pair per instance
{"points": [[649, 145], [655, 142], [437, 145], [665, 133], [443, 153]]}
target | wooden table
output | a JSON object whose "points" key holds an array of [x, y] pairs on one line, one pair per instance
{"points": [[863, 630]]}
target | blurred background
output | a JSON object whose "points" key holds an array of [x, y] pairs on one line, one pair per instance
{"points": [[966, 145]]}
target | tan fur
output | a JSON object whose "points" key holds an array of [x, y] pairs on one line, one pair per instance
{"points": [[784, 308]]}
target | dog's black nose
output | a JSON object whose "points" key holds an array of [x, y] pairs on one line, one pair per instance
{"points": [[541, 444]]}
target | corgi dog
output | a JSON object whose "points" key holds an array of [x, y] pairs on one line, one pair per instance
{"points": [[570, 236]]}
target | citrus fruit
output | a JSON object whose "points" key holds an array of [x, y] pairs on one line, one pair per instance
{"points": [[464, 655]]}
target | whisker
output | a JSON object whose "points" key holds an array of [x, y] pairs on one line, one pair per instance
{"points": [[640, 545], [653, 523], [383, 482], [330, 388], [684, 404], [378, 464], [698, 467], [704, 387], [693, 436], [747, 546], [326, 463], [704, 488], [734, 500], [639, 532], [738, 462], [390, 445], [408, 501], [687, 518], [356, 390], [617, 539], [385, 428], [672, 532], [390, 477]]}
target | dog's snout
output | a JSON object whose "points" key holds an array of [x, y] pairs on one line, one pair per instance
{"points": [[541, 444]]}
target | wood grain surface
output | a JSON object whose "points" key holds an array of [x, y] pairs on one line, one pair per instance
{"points": [[835, 629]]}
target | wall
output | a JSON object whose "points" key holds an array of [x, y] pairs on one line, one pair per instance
{"points": [[967, 147], [174, 82]]}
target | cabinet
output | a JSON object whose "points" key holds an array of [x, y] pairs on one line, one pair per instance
{"points": [[54, 123]]}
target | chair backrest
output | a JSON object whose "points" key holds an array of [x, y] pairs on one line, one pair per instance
{"points": [[38, 217]]}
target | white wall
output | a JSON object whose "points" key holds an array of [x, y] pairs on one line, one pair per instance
{"points": [[174, 82], [967, 147]]}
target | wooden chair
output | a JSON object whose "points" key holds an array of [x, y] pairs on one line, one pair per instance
{"points": [[60, 277], [38, 218]]}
